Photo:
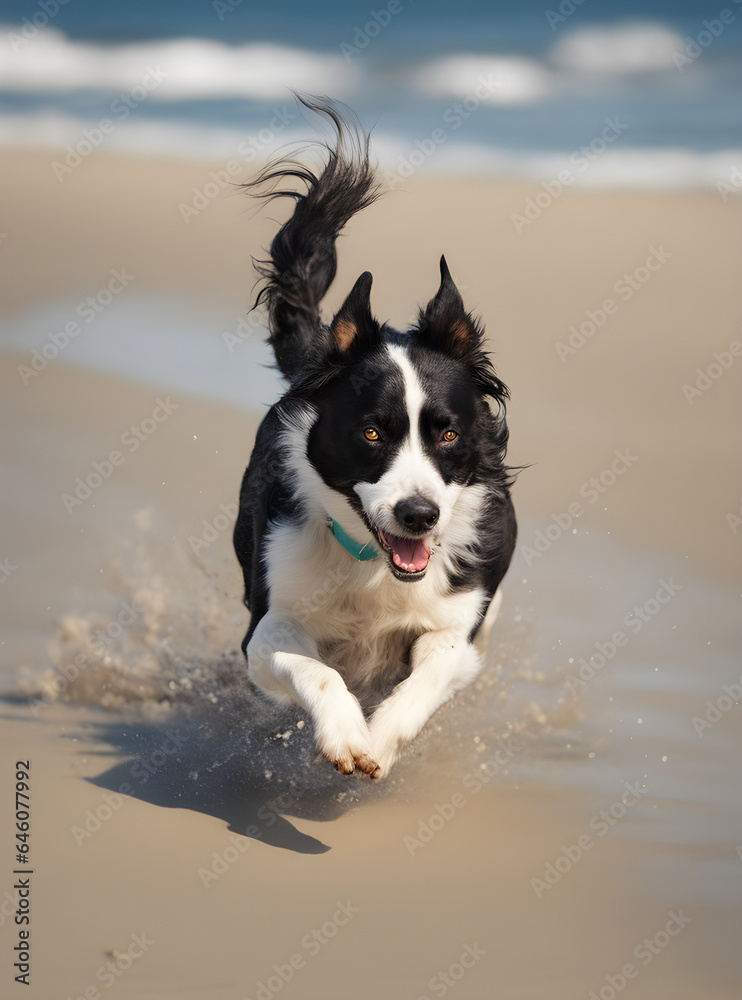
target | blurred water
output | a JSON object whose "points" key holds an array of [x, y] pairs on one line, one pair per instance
{"points": [[157, 340], [510, 86]]}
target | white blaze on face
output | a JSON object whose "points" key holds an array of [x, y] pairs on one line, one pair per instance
{"points": [[412, 471]]}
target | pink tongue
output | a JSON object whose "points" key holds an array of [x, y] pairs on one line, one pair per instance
{"points": [[409, 553]]}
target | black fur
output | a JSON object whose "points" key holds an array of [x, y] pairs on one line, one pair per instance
{"points": [[303, 262], [343, 370]]}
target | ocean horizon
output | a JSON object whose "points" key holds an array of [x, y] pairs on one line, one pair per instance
{"points": [[522, 90]]}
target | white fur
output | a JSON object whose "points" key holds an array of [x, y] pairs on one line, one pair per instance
{"points": [[412, 471], [338, 629]]}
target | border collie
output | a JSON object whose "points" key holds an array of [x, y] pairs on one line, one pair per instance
{"points": [[375, 521]]}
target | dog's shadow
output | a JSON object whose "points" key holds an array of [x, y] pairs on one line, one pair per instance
{"points": [[249, 763]]}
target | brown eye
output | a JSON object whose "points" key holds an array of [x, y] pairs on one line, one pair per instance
{"points": [[450, 436], [371, 434]]}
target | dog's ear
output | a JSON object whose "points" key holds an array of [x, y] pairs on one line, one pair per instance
{"points": [[445, 324], [353, 325]]}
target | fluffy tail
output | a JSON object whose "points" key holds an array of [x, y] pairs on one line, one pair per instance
{"points": [[302, 260]]}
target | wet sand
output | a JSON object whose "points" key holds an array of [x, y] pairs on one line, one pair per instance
{"points": [[564, 827]]}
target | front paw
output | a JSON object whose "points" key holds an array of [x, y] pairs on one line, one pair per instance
{"points": [[348, 747], [387, 743], [384, 766]]}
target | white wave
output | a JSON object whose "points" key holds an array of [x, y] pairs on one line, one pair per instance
{"points": [[136, 137], [623, 48], [492, 79], [655, 169], [174, 69], [399, 158]]}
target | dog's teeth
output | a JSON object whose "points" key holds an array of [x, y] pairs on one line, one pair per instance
{"points": [[397, 561]]}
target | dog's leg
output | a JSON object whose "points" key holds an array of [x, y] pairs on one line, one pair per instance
{"points": [[284, 661], [443, 662]]}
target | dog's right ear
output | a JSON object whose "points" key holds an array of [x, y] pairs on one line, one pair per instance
{"points": [[353, 325]]}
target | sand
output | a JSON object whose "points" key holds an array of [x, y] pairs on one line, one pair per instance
{"points": [[622, 389], [168, 804]]}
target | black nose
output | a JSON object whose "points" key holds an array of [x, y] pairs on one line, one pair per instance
{"points": [[416, 514]]}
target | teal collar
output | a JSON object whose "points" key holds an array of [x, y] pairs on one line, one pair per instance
{"points": [[363, 553]]}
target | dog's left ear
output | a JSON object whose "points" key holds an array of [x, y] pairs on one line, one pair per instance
{"points": [[445, 324], [353, 325]]}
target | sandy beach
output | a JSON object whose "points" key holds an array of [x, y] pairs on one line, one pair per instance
{"points": [[569, 825]]}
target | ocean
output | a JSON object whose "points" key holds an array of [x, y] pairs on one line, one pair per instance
{"points": [[523, 89]]}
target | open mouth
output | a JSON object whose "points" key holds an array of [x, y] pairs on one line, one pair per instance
{"points": [[409, 556]]}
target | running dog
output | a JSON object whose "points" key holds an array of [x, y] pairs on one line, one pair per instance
{"points": [[375, 520]]}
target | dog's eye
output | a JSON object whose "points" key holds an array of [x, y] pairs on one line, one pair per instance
{"points": [[371, 434], [450, 436]]}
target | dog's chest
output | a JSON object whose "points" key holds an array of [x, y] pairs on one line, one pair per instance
{"points": [[363, 620], [369, 644]]}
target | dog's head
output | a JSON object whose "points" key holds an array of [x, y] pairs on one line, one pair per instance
{"points": [[402, 424]]}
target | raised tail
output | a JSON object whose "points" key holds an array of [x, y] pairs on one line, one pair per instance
{"points": [[302, 260]]}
